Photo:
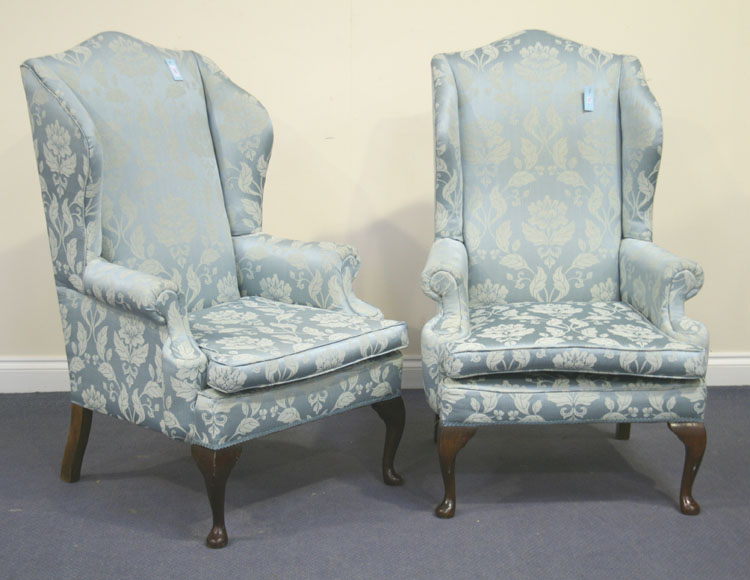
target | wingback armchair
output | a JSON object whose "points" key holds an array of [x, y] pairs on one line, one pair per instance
{"points": [[555, 306], [178, 313]]}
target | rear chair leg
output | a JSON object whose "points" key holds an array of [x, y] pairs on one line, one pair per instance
{"points": [[450, 441], [693, 436], [623, 431], [393, 414], [215, 465], [78, 437]]}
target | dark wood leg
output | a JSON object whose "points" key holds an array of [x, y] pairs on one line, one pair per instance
{"points": [[78, 437], [393, 414], [215, 466], [693, 436], [450, 441], [435, 428], [623, 431]]}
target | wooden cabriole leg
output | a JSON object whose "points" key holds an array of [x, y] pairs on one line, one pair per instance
{"points": [[693, 436], [435, 428], [450, 441], [78, 437], [393, 414], [215, 465], [623, 431]]}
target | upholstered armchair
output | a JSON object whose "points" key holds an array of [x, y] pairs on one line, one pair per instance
{"points": [[178, 314], [555, 305]]}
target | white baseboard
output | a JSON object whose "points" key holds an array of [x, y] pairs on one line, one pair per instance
{"points": [[33, 375], [50, 374], [728, 369]]}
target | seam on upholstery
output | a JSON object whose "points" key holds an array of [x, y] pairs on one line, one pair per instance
{"points": [[355, 336], [293, 380], [346, 290], [672, 281], [442, 271], [622, 155], [461, 317], [89, 149], [209, 117], [669, 386], [696, 419], [567, 348], [579, 372], [458, 149]]}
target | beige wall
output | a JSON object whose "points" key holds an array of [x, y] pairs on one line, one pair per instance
{"points": [[347, 85]]}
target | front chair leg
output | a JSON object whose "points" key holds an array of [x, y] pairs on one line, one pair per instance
{"points": [[215, 465], [78, 437], [393, 414], [693, 436], [450, 441]]}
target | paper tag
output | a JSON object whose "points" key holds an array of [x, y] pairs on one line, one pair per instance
{"points": [[588, 99], [176, 75]]}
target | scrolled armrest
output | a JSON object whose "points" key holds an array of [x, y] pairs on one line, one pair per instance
{"points": [[657, 283], [317, 274], [145, 295], [445, 280]]}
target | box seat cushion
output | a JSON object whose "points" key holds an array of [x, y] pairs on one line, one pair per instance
{"points": [[255, 342], [609, 338]]}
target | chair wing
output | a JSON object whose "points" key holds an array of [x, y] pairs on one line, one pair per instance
{"points": [[152, 198], [242, 138]]}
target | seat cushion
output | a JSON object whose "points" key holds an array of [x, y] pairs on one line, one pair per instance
{"points": [[608, 338], [255, 342]]}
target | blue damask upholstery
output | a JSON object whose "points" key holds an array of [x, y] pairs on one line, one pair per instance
{"points": [[557, 398], [539, 201], [609, 338], [178, 313], [554, 304], [259, 342], [172, 300]]}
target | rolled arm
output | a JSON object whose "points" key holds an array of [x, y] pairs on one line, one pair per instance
{"points": [[319, 274], [657, 283], [445, 280], [146, 295]]}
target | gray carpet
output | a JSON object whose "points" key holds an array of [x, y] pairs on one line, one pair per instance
{"points": [[533, 502]]}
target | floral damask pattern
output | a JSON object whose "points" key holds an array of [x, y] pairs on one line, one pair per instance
{"points": [[527, 150], [64, 175], [256, 342], [162, 211], [185, 161], [308, 273], [641, 126], [119, 366], [448, 170], [543, 398], [576, 337], [223, 420], [548, 309], [243, 137], [657, 283]]}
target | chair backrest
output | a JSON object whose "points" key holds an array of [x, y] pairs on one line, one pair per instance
{"points": [[128, 164], [540, 185]]}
